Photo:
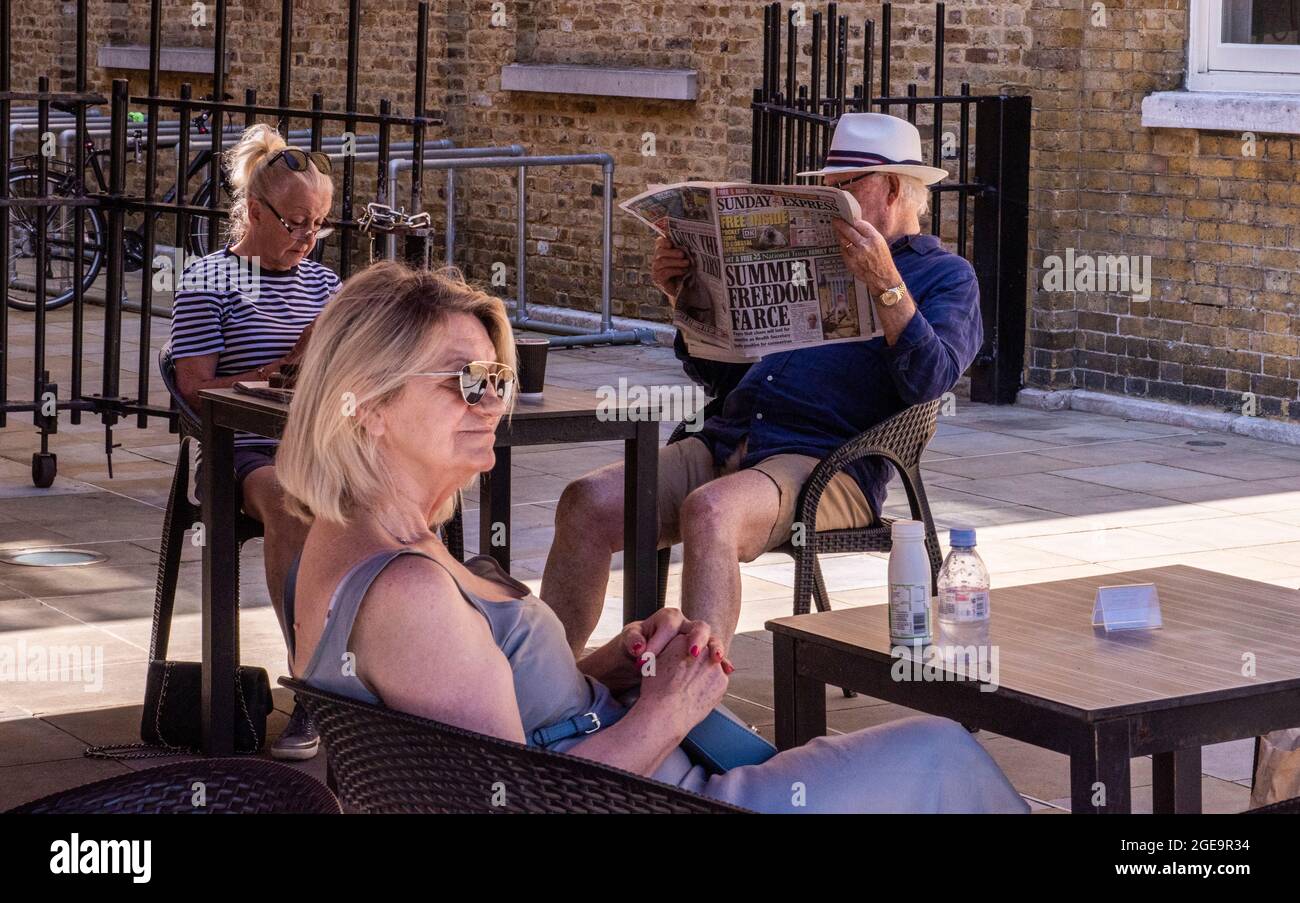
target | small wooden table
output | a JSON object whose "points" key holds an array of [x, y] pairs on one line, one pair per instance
{"points": [[561, 415], [1225, 665]]}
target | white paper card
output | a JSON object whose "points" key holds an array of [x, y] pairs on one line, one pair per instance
{"points": [[1129, 607]]}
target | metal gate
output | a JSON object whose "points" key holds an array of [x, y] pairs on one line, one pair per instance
{"points": [[64, 220], [794, 116]]}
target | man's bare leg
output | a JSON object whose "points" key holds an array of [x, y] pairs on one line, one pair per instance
{"points": [[724, 522], [284, 534], [588, 530]]}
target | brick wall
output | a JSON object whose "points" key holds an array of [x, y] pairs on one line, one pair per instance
{"points": [[1221, 319]]}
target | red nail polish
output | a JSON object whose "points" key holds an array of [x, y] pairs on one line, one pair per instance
{"points": [[695, 651], [636, 647]]}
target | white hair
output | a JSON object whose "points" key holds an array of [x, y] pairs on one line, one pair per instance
{"points": [[914, 193]]}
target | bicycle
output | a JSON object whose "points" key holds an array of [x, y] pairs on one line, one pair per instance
{"points": [[63, 181]]}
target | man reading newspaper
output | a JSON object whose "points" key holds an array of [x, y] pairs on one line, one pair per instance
{"points": [[728, 492]]}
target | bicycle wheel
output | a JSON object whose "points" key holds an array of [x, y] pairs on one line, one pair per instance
{"points": [[60, 244], [199, 242]]}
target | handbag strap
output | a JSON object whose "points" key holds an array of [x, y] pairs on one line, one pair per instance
{"points": [[165, 749], [160, 635]]}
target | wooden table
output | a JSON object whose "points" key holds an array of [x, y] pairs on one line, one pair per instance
{"points": [[1066, 686], [561, 415]]}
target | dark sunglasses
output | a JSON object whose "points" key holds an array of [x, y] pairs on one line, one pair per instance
{"points": [[847, 182], [297, 160], [476, 376]]}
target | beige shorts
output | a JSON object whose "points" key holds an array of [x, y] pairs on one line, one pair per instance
{"points": [[688, 464]]}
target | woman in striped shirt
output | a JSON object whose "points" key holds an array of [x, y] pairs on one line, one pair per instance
{"points": [[245, 311]]}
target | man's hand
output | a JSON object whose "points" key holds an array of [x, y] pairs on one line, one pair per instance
{"points": [[867, 255], [669, 266]]}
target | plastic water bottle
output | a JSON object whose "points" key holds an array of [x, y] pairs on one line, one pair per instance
{"points": [[963, 583], [909, 585]]}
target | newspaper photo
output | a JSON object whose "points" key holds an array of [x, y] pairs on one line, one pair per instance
{"points": [[766, 272]]}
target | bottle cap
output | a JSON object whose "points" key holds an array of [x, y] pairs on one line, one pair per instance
{"points": [[962, 537], [907, 529]]}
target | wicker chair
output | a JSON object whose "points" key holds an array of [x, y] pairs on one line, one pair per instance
{"points": [[243, 786], [900, 440], [382, 761], [1285, 807], [181, 514]]}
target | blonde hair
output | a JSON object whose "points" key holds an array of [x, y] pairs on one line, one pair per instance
{"points": [[383, 325], [250, 176]]}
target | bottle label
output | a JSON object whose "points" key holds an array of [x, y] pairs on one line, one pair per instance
{"points": [[963, 604], [909, 610]]}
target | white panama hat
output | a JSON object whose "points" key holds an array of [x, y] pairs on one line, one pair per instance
{"points": [[876, 142]]}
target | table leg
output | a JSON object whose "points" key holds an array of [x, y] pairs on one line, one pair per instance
{"points": [[220, 588], [1099, 771], [1176, 782], [800, 701], [494, 510], [641, 522]]}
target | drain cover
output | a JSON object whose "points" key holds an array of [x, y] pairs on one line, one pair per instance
{"points": [[1205, 443], [53, 558]]}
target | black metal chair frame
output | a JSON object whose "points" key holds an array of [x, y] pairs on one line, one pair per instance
{"points": [[384, 761], [230, 785], [901, 439], [181, 514]]}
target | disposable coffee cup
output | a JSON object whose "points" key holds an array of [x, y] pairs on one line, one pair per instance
{"points": [[531, 357]]}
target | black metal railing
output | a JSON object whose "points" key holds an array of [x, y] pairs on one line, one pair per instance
{"points": [[794, 116], [80, 187]]}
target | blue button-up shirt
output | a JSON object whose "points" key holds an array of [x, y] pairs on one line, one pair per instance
{"points": [[811, 401]]}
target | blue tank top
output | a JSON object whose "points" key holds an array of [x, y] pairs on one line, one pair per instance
{"points": [[549, 688]]}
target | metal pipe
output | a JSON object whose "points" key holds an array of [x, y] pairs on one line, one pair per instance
{"points": [[607, 248], [150, 176], [936, 150], [815, 100], [218, 94], [886, 38], [521, 244], [421, 86], [42, 257], [963, 147], [5, 111], [350, 127], [868, 49], [78, 224], [113, 301], [606, 162], [286, 58], [398, 165]]}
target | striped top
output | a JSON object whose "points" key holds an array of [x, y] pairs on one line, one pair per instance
{"points": [[249, 317]]}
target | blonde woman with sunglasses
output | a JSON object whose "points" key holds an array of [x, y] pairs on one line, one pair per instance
{"points": [[244, 312], [401, 390]]}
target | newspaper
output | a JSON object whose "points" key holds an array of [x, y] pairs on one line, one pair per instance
{"points": [[766, 271]]}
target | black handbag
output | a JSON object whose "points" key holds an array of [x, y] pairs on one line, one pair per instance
{"points": [[171, 723], [172, 705]]}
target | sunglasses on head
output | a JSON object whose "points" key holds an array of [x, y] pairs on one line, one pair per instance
{"points": [[297, 160], [475, 378]]}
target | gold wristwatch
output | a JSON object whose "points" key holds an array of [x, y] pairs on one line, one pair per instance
{"points": [[892, 296]]}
